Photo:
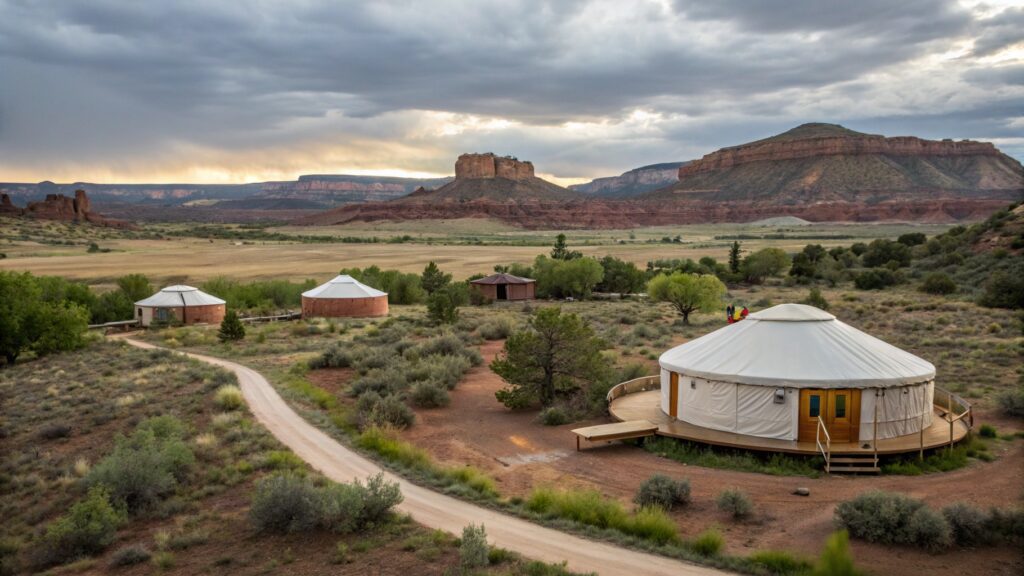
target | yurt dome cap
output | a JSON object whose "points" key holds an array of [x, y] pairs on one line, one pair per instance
{"points": [[795, 345], [343, 286], [179, 295]]}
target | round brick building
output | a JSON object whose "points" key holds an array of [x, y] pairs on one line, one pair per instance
{"points": [[344, 296], [180, 304]]}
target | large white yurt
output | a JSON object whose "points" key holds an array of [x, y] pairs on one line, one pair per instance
{"points": [[344, 296], [180, 304], [774, 374]]}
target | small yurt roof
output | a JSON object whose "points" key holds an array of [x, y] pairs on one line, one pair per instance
{"points": [[343, 286], [502, 278], [179, 295], [795, 345]]}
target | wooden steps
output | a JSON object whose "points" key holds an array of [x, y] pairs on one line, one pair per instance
{"points": [[853, 464]]}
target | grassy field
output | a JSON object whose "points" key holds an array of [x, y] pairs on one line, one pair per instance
{"points": [[460, 247]]}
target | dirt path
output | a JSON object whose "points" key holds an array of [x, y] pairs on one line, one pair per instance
{"points": [[431, 508], [522, 454]]}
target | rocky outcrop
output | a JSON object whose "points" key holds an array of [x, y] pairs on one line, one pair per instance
{"points": [[487, 165], [866, 144], [632, 183], [62, 208]]}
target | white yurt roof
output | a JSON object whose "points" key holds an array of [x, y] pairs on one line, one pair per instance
{"points": [[343, 286], [796, 345], [179, 295]]}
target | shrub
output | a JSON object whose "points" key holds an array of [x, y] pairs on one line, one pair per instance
{"points": [[1007, 524], [429, 394], [780, 562], [709, 543], [1011, 402], [968, 524], [835, 558], [231, 328], [385, 444], [888, 518], [875, 279], [333, 357], [380, 497], [129, 556], [1004, 290], [591, 508], [553, 416], [474, 550], [341, 507], [375, 410], [284, 503], [496, 328], [651, 524], [735, 503], [938, 283], [229, 397], [930, 530], [88, 527], [446, 370], [662, 491], [54, 431], [472, 478], [816, 299], [146, 465], [987, 431]]}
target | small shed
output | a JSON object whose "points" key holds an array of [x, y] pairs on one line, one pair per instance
{"points": [[180, 304], [344, 296], [503, 286]]}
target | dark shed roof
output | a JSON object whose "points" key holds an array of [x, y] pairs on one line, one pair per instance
{"points": [[502, 279]]}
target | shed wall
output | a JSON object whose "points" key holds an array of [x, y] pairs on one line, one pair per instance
{"points": [[209, 314]]}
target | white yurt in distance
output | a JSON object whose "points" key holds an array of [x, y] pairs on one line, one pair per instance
{"points": [[180, 304], [774, 374], [344, 296]]}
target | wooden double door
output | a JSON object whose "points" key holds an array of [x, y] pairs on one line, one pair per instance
{"points": [[839, 409]]}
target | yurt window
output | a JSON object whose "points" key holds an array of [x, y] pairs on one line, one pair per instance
{"points": [[840, 405], [815, 406]]}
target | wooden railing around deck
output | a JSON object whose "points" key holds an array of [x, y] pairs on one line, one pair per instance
{"points": [[953, 410], [826, 449], [641, 384]]}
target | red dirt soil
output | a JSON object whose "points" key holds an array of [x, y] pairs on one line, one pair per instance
{"points": [[521, 454]]}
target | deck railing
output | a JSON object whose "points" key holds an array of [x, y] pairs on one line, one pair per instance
{"points": [[641, 384], [954, 410], [825, 449]]}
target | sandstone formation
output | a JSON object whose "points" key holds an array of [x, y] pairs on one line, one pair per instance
{"points": [[632, 183], [486, 166], [62, 208]]}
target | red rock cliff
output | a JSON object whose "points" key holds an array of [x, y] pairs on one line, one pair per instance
{"points": [[61, 207], [771, 150], [482, 166]]}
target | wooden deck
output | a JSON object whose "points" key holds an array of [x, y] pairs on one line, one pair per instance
{"points": [[646, 406], [615, 431]]}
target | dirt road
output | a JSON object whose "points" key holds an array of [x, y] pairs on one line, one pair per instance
{"points": [[432, 509]]}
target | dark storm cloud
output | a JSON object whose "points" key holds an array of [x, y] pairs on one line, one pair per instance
{"points": [[134, 78]]}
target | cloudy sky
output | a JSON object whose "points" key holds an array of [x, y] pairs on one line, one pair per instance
{"points": [[205, 91]]}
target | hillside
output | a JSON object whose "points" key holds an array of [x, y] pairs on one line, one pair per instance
{"points": [[830, 163], [632, 183]]}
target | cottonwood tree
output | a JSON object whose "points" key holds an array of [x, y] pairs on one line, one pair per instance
{"points": [[556, 355], [764, 263], [28, 321], [433, 279], [687, 293]]}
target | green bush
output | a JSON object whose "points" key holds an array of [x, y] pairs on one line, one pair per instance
{"points": [[446, 370], [231, 328], [383, 411], [814, 298], [1004, 290], [473, 549], [651, 524], [380, 497], [429, 394], [87, 528], [968, 525], [129, 556], [1011, 402], [341, 507], [988, 431], [333, 357], [708, 543], [392, 449], [553, 416], [779, 562], [875, 279], [736, 503], [496, 328], [889, 518], [881, 252], [662, 491], [285, 503], [938, 283], [930, 530], [473, 479], [229, 397], [145, 466], [591, 508], [835, 558]]}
